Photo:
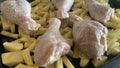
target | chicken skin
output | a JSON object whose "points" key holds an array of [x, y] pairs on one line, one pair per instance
{"points": [[90, 36], [19, 12], [63, 7], [99, 11], [51, 45]]}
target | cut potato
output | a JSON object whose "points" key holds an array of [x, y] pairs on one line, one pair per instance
{"points": [[115, 51], [12, 58], [97, 63], [59, 63], [51, 66], [67, 62], [9, 34], [76, 52], [21, 40], [5, 23], [32, 45], [84, 61], [27, 57], [26, 66], [70, 42], [13, 46], [22, 33]]}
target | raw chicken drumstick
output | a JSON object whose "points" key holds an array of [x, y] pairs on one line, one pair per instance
{"points": [[90, 36], [19, 12], [99, 11], [51, 45], [63, 7]]}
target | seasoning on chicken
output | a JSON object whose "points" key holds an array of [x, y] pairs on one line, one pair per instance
{"points": [[90, 36], [51, 45], [19, 12], [99, 11], [63, 7]]}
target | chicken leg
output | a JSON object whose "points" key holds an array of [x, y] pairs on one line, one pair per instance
{"points": [[99, 12], [19, 12], [63, 7], [51, 45], [90, 36]]}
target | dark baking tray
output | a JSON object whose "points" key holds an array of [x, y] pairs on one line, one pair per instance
{"points": [[112, 62]]}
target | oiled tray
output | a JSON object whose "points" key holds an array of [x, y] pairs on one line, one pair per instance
{"points": [[112, 62]]}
